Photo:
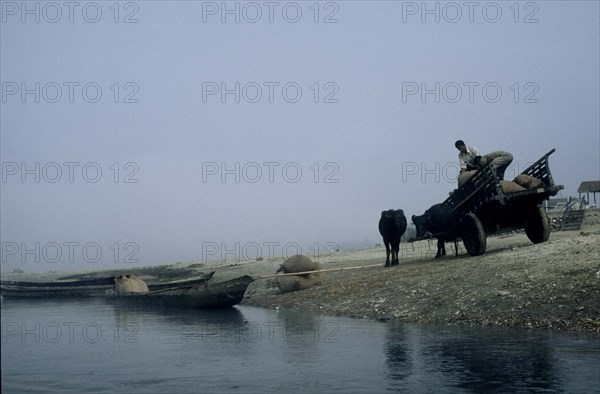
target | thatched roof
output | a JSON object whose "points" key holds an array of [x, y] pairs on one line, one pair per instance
{"points": [[589, 187]]}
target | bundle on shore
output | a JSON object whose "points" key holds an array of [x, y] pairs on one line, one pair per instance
{"points": [[298, 263]]}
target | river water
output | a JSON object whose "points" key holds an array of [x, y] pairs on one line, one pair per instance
{"points": [[93, 346]]}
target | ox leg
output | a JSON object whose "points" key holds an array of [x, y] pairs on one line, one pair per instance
{"points": [[395, 251], [441, 248], [387, 253], [456, 246]]}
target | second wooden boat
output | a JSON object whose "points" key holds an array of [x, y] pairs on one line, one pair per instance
{"points": [[82, 288]]}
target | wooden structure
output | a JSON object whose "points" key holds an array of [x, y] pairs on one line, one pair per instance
{"points": [[572, 219], [589, 187]]}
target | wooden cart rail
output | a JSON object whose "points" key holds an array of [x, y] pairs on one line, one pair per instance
{"points": [[484, 187]]}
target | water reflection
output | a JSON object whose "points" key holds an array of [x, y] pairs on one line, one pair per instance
{"points": [[301, 333], [299, 337], [196, 320], [476, 359], [103, 347], [399, 353], [497, 360]]}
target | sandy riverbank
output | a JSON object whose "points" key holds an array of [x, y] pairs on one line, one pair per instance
{"points": [[554, 285], [515, 283]]}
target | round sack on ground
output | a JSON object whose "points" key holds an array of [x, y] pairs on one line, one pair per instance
{"points": [[298, 263], [129, 284], [297, 282]]}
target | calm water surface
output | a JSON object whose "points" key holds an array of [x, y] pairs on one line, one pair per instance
{"points": [[92, 346]]}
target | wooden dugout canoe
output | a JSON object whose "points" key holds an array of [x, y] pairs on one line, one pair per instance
{"points": [[200, 296], [81, 288]]}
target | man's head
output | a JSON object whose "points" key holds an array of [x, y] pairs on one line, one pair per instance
{"points": [[461, 146]]}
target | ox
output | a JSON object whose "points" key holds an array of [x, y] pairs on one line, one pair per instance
{"points": [[438, 220], [392, 225]]}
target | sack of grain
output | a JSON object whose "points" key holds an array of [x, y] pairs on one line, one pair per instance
{"points": [[464, 176], [297, 282], [528, 181], [511, 187], [129, 284], [298, 263]]}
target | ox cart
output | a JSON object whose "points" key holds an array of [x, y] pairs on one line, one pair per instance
{"points": [[481, 207]]}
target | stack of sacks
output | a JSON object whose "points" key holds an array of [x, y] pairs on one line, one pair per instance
{"points": [[129, 284], [511, 187], [464, 176], [528, 182], [520, 183], [298, 263]]}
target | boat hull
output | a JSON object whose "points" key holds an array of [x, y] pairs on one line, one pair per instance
{"points": [[203, 296], [80, 289]]}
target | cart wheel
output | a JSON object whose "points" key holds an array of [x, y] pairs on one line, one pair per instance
{"points": [[473, 235], [537, 226]]}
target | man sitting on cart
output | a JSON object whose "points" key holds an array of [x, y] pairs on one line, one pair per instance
{"points": [[467, 155], [470, 159], [500, 160]]}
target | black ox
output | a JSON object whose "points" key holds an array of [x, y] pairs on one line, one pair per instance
{"points": [[392, 225], [439, 221]]}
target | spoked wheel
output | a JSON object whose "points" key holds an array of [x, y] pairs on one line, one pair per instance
{"points": [[537, 226], [473, 234]]}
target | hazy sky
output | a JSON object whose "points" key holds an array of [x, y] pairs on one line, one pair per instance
{"points": [[172, 131]]}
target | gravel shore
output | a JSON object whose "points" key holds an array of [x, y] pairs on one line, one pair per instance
{"points": [[553, 285]]}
